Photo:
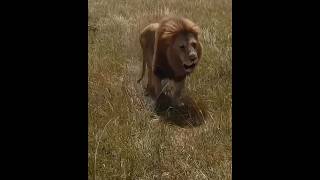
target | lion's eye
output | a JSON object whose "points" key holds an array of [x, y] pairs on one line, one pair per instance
{"points": [[182, 47], [193, 44]]}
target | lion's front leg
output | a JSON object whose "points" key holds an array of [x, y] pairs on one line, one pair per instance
{"points": [[178, 88], [156, 84], [149, 88]]}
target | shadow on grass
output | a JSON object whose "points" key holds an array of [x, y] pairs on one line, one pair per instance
{"points": [[191, 114]]}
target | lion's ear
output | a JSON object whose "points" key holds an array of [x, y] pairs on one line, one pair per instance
{"points": [[166, 40], [196, 29]]}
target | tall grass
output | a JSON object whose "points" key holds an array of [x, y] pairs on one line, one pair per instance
{"points": [[127, 138]]}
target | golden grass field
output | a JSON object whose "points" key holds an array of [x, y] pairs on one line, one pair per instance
{"points": [[127, 138]]}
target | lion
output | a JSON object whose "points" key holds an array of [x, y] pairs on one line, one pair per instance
{"points": [[171, 50]]}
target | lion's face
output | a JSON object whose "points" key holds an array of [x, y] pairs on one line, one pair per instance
{"points": [[185, 45]]}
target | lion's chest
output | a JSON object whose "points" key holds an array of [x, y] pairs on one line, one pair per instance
{"points": [[164, 73], [167, 73], [163, 70]]}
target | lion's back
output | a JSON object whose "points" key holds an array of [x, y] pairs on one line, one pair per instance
{"points": [[147, 35]]}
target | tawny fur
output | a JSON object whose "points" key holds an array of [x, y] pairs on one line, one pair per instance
{"points": [[164, 60]]}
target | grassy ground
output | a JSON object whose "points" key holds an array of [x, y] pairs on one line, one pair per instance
{"points": [[127, 139]]}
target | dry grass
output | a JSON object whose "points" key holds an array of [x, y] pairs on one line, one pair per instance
{"points": [[127, 139]]}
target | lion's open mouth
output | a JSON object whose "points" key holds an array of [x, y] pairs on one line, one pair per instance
{"points": [[189, 67]]}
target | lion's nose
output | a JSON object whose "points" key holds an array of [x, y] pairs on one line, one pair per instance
{"points": [[193, 56]]}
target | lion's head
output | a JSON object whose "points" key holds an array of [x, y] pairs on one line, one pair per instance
{"points": [[180, 36], [185, 46]]}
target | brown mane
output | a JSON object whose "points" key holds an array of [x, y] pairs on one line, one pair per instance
{"points": [[171, 26]]}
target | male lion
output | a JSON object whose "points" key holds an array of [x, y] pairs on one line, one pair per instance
{"points": [[171, 50]]}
